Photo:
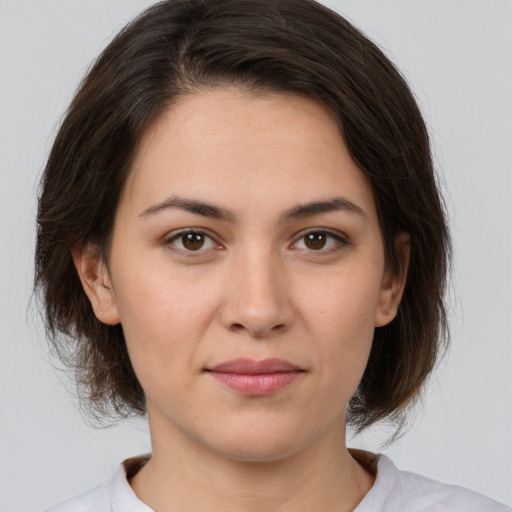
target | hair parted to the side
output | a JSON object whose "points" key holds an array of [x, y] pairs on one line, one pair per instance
{"points": [[178, 47]]}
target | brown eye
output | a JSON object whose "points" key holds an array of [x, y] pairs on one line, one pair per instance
{"points": [[315, 241], [190, 241], [321, 241], [193, 241]]}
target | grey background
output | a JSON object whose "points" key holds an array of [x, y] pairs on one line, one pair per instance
{"points": [[457, 55]]}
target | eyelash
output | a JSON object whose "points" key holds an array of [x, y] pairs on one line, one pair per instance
{"points": [[339, 239], [170, 241]]}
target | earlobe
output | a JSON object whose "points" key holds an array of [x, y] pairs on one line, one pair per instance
{"points": [[96, 283], [393, 282]]}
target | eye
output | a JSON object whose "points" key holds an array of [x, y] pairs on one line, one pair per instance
{"points": [[190, 241], [319, 241]]}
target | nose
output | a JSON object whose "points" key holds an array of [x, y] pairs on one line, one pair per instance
{"points": [[257, 300]]}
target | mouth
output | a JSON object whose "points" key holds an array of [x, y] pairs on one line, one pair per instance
{"points": [[256, 378]]}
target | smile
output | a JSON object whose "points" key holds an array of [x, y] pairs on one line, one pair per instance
{"points": [[256, 378]]}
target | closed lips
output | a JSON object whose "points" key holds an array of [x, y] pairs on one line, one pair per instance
{"points": [[251, 367], [256, 378]]}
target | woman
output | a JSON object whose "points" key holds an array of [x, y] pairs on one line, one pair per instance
{"points": [[240, 234]]}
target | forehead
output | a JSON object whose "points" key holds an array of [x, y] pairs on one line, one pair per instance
{"points": [[230, 146]]}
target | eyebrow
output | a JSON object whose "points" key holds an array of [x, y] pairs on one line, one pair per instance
{"points": [[192, 206], [318, 207], [216, 212]]}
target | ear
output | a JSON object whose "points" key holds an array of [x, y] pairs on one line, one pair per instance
{"points": [[393, 283], [96, 282]]}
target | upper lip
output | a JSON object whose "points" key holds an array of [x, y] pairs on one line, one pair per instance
{"points": [[252, 367]]}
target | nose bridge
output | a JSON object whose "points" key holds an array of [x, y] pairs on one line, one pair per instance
{"points": [[257, 297]]}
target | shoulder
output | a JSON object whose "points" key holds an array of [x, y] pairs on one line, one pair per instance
{"points": [[431, 495], [114, 495], [95, 500], [402, 490]]}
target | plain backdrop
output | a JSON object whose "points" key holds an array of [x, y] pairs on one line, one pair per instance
{"points": [[457, 56]]}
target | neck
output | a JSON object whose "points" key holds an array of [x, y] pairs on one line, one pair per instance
{"points": [[184, 475]]}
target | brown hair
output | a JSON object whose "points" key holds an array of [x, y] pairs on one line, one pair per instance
{"points": [[177, 47]]}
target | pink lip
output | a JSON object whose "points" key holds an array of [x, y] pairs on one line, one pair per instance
{"points": [[256, 378]]}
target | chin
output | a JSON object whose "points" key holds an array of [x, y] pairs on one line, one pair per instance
{"points": [[259, 452], [258, 444]]}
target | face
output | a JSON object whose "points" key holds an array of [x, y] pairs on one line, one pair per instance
{"points": [[247, 270]]}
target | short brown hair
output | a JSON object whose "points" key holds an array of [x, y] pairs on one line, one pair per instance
{"points": [[177, 47]]}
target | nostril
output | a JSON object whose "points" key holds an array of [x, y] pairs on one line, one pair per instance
{"points": [[258, 333]]}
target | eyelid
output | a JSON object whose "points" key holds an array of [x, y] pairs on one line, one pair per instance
{"points": [[340, 237], [168, 239]]}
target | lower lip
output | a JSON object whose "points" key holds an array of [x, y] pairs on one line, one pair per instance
{"points": [[261, 384]]}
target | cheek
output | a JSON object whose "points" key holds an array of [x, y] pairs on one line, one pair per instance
{"points": [[341, 317], [345, 301], [164, 318]]}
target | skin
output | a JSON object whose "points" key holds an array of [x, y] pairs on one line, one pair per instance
{"points": [[254, 289]]}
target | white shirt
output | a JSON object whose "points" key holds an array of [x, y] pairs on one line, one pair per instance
{"points": [[393, 491]]}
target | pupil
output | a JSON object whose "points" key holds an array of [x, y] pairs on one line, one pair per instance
{"points": [[193, 241], [315, 241]]}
